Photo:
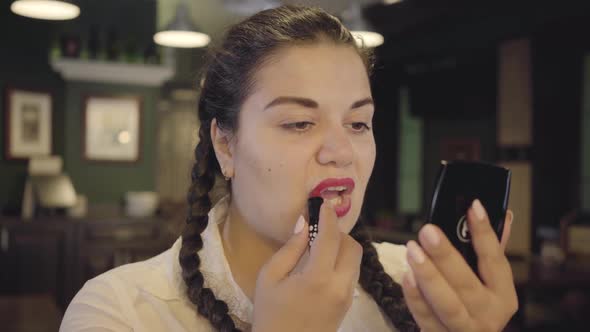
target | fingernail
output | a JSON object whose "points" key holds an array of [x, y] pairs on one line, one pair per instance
{"points": [[299, 225], [409, 277], [415, 252], [480, 213], [430, 235]]}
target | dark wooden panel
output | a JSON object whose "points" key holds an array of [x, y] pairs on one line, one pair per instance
{"points": [[57, 256], [37, 259], [105, 244]]}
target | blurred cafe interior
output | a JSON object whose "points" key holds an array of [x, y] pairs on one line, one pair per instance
{"points": [[85, 188]]}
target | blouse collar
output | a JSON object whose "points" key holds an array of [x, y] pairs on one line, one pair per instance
{"points": [[214, 266]]}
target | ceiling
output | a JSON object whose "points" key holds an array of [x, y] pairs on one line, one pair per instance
{"points": [[414, 29], [438, 23], [424, 27], [213, 16]]}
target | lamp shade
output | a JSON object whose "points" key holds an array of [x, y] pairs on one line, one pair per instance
{"points": [[364, 35], [46, 9], [181, 32], [367, 39], [249, 7]]}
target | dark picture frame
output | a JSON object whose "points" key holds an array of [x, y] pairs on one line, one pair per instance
{"points": [[28, 123], [112, 128]]}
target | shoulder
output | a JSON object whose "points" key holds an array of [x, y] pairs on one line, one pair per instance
{"points": [[393, 258], [97, 305], [151, 275], [107, 299]]}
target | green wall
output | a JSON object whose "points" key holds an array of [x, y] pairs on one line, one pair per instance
{"points": [[23, 63], [106, 182], [13, 172], [100, 182], [411, 159]]}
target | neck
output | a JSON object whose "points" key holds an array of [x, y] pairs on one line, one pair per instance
{"points": [[245, 249]]}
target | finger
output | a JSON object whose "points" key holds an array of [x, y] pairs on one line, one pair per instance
{"points": [[286, 258], [493, 266], [423, 315], [348, 262], [325, 247], [439, 295], [507, 229], [454, 269]]}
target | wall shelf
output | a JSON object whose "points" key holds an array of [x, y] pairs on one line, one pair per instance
{"points": [[112, 72]]}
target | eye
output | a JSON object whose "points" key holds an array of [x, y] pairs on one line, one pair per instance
{"points": [[298, 126], [360, 127]]}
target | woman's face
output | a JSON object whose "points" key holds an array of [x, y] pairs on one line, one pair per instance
{"points": [[305, 130]]}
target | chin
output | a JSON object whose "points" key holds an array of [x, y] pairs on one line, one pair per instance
{"points": [[347, 222]]}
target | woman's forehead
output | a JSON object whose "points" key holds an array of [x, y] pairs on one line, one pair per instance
{"points": [[312, 69]]}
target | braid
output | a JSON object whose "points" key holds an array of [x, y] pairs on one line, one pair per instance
{"points": [[384, 290], [203, 179], [228, 80]]}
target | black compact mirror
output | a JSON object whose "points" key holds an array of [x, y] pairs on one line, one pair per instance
{"points": [[457, 185]]}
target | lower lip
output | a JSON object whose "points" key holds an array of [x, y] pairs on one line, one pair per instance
{"points": [[343, 208]]}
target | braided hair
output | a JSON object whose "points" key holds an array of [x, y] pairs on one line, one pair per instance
{"points": [[228, 79]]}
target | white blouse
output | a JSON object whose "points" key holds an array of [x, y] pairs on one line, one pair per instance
{"points": [[150, 295]]}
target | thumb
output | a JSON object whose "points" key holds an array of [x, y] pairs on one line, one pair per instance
{"points": [[287, 257]]}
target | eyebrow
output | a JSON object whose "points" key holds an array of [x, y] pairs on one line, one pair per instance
{"points": [[310, 103]]}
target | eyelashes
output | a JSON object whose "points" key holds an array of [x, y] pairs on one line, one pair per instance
{"points": [[360, 126], [304, 126], [300, 126]]}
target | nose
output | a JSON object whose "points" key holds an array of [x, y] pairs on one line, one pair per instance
{"points": [[336, 147]]}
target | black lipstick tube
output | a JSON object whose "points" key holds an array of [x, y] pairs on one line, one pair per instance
{"points": [[313, 206]]}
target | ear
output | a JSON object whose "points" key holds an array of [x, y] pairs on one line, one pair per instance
{"points": [[222, 144]]}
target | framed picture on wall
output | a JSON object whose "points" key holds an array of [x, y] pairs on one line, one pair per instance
{"points": [[28, 128], [112, 128]]}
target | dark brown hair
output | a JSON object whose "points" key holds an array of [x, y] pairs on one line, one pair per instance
{"points": [[228, 80]]}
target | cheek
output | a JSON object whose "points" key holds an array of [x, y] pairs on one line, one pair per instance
{"points": [[366, 152], [268, 181], [365, 159], [264, 159]]}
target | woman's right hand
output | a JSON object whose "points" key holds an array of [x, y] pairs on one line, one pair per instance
{"points": [[318, 296]]}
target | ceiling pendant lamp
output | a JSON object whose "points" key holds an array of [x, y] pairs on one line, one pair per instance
{"points": [[364, 35], [181, 31], [55, 10], [249, 7]]}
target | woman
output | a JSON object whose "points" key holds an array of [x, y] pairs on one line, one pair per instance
{"points": [[286, 112]]}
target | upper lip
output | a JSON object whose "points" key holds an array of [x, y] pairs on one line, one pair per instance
{"points": [[347, 183]]}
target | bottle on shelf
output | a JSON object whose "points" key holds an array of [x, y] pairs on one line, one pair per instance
{"points": [[132, 54], [93, 43], [70, 46], [113, 46], [55, 49]]}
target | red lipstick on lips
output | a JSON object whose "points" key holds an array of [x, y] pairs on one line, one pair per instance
{"points": [[327, 190]]}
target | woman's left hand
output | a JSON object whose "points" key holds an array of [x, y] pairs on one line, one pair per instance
{"points": [[444, 294]]}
